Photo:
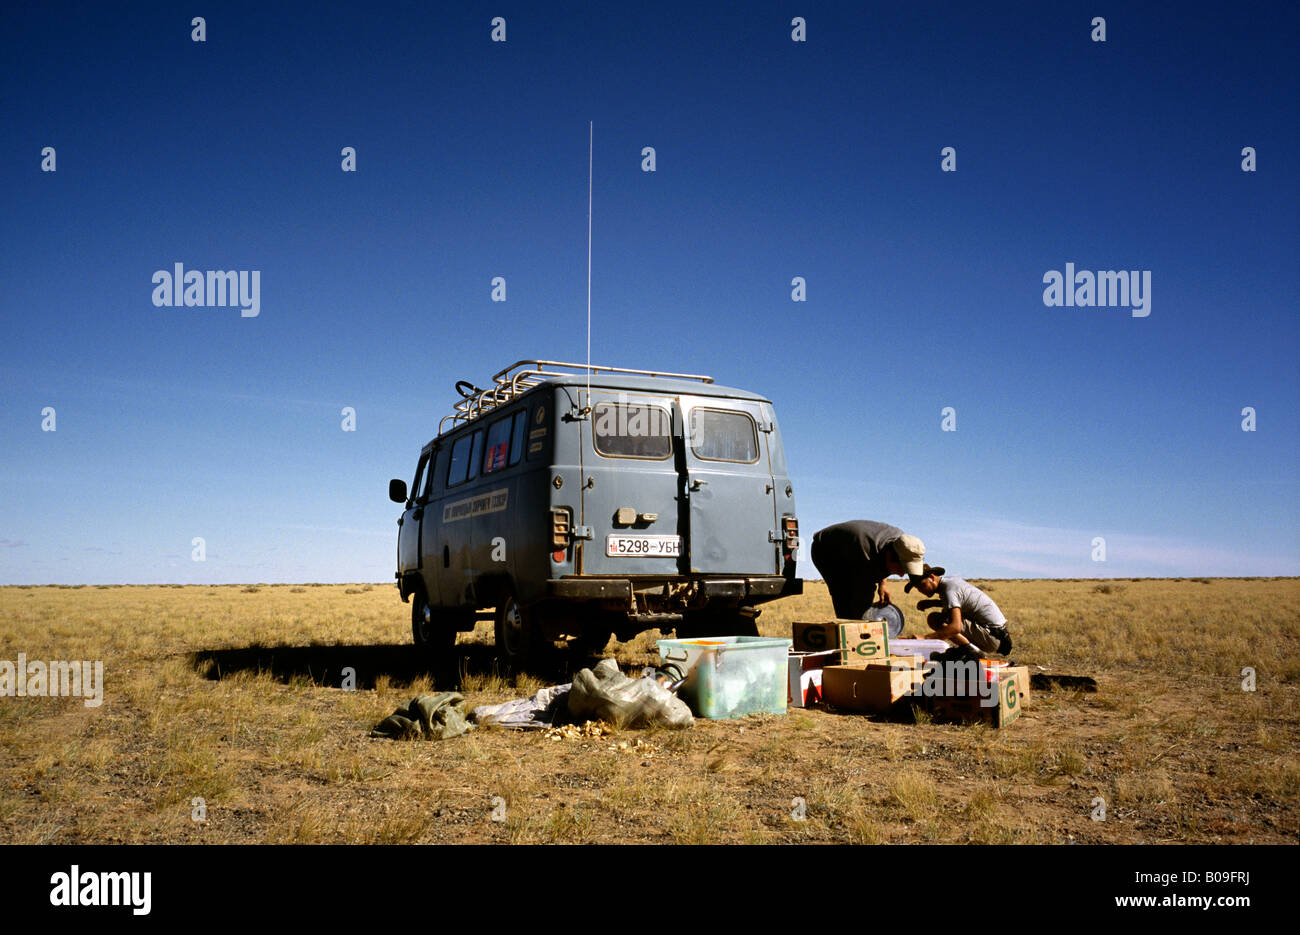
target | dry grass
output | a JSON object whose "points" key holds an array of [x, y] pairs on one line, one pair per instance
{"points": [[232, 695]]}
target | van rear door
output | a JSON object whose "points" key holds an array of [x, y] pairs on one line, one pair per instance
{"points": [[632, 485], [729, 486]]}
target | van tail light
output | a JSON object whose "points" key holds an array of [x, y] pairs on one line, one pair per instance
{"points": [[561, 528], [790, 533]]}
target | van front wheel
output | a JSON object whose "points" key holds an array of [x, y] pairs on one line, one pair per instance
{"points": [[429, 630], [514, 632]]}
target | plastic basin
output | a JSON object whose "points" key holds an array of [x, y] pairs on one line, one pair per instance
{"points": [[730, 676]]}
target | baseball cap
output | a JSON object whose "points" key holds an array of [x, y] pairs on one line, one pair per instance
{"points": [[925, 570], [910, 550]]}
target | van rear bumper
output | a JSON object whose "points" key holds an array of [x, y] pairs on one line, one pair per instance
{"points": [[762, 588]]}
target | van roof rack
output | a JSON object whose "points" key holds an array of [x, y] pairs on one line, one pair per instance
{"points": [[523, 375]]}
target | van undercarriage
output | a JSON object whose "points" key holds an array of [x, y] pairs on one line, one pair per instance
{"points": [[672, 595]]}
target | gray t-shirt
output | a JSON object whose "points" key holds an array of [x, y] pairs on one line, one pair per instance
{"points": [[975, 604]]}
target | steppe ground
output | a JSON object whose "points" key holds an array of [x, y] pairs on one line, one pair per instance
{"points": [[230, 695]]}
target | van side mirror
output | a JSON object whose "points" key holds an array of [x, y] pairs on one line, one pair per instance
{"points": [[397, 490]]}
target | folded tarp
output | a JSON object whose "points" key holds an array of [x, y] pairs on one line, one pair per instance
{"points": [[544, 709], [603, 693], [432, 717]]}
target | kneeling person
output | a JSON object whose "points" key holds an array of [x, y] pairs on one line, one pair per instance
{"points": [[968, 618]]}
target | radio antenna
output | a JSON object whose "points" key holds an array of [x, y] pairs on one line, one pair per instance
{"points": [[591, 137]]}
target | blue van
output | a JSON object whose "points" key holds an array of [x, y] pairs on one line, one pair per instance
{"points": [[582, 501]]}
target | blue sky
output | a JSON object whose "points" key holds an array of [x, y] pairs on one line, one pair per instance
{"points": [[774, 159]]}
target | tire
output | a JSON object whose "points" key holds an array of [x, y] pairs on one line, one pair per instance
{"points": [[596, 627], [430, 630], [515, 635], [592, 641]]}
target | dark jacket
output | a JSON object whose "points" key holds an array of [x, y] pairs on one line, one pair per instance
{"points": [[856, 548]]}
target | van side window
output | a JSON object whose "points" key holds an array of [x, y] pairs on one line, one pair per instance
{"points": [[464, 458], [632, 430], [718, 435], [517, 436], [498, 445], [476, 454]]}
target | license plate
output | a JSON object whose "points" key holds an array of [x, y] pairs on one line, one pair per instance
{"points": [[652, 546]]}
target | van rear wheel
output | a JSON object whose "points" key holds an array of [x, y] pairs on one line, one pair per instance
{"points": [[515, 633], [591, 642]]}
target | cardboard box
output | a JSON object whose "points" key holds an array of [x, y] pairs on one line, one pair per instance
{"points": [[958, 702], [805, 677], [858, 641], [807, 690], [896, 661], [875, 687]]}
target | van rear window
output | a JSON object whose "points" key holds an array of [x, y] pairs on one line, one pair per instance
{"points": [[718, 435], [632, 430]]}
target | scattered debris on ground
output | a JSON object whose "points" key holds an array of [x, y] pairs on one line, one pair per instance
{"points": [[577, 732]]}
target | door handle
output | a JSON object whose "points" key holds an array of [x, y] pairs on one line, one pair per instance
{"points": [[697, 484]]}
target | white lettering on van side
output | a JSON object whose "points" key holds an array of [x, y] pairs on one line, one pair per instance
{"points": [[494, 501]]}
